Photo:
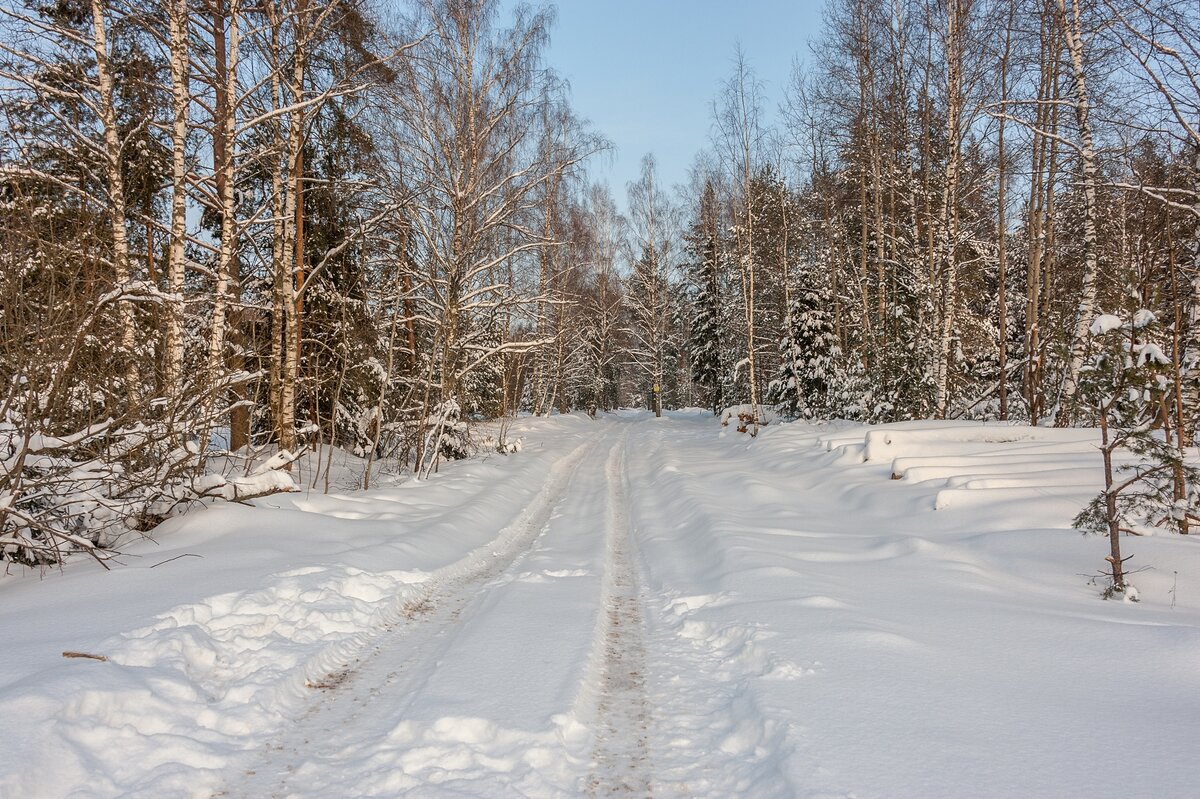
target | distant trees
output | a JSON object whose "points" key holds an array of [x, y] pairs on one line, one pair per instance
{"points": [[739, 138], [652, 328], [958, 202]]}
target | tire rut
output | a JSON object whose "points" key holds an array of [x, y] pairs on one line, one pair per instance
{"points": [[621, 753], [403, 654]]}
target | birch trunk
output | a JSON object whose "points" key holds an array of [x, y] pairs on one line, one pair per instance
{"points": [[1033, 282], [282, 379], [1073, 35], [1002, 221], [113, 151], [747, 262], [178, 30], [546, 255], [225, 79], [1190, 378], [948, 261], [224, 131], [291, 256]]}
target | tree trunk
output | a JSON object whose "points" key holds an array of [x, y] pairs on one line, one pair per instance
{"points": [[113, 158], [1175, 399], [1110, 508], [1002, 222], [948, 261], [223, 143], [225, 89], [179, 33], [1073, 34], [283, 317], [1190, 378]]}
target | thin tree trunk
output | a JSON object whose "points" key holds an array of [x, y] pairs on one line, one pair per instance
{"points": [[224, 129], [406, 284], [225, 73], [546, 267], [1190, 378], [948, 261], [180, 100], [283, 344], [1110, 508], [113, 158], [292, 261], [1073, 33], [1179, 477], [1002, 221], [1040, 221], [298, 191]]}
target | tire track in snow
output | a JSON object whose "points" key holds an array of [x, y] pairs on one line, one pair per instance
{"points": [[713, 737], [360, 703], [620, 753]]}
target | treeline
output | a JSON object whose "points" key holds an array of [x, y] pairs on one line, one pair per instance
{"points": [[928, 225], [245, 229], [252, 227], [948, 197]]}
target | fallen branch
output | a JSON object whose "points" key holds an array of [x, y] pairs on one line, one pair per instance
{"points": [[177, 557]]}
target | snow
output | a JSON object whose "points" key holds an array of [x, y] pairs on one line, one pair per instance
{"points": [[1105, 323], [626, 606], [742, 415], [1151, 353]]}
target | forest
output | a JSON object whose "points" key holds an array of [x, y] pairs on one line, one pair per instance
{"points": [[235, 232]]}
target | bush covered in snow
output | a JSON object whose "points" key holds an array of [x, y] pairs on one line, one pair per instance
{"points": [[81, 491], [746, 416]]}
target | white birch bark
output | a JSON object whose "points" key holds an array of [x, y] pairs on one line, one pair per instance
{"points": [[177, 14], [126, 332], [227, 178], [1073, 34], [280, 267], [949, 226], [288, 139], [1190, 377]]}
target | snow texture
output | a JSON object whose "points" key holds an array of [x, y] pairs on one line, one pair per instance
{"points": [[626, 607]]}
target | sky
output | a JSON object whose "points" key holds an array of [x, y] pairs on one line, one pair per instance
{"points": [[645, 72]]}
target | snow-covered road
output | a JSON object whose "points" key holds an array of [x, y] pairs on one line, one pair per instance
{"points": [[629, 607], [526, 675], [485, 678]]}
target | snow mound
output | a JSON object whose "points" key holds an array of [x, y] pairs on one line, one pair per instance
{"points": [[744, 416]]}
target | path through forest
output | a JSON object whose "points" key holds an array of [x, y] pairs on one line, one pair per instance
{"points": [[529, 671]]}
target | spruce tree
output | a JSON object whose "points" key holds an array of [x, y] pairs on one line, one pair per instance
{"points": [[1124, 385], [808, 366], [706, 330]]}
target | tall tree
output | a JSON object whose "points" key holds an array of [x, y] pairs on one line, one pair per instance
{"points": [[738, 117]]}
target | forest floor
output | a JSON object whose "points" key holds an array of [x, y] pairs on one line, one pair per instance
{"points": [[629, 606]]}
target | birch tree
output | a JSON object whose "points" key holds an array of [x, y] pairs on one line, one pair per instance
{"points": [[1070, 18], [469, 98], [739, 132], [650, 253]]}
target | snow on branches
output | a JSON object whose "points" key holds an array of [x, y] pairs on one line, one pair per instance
{"points": [[1147, 482], [82, 491]]}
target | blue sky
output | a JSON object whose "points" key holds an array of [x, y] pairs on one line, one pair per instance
{"points": [[644, 72]]}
